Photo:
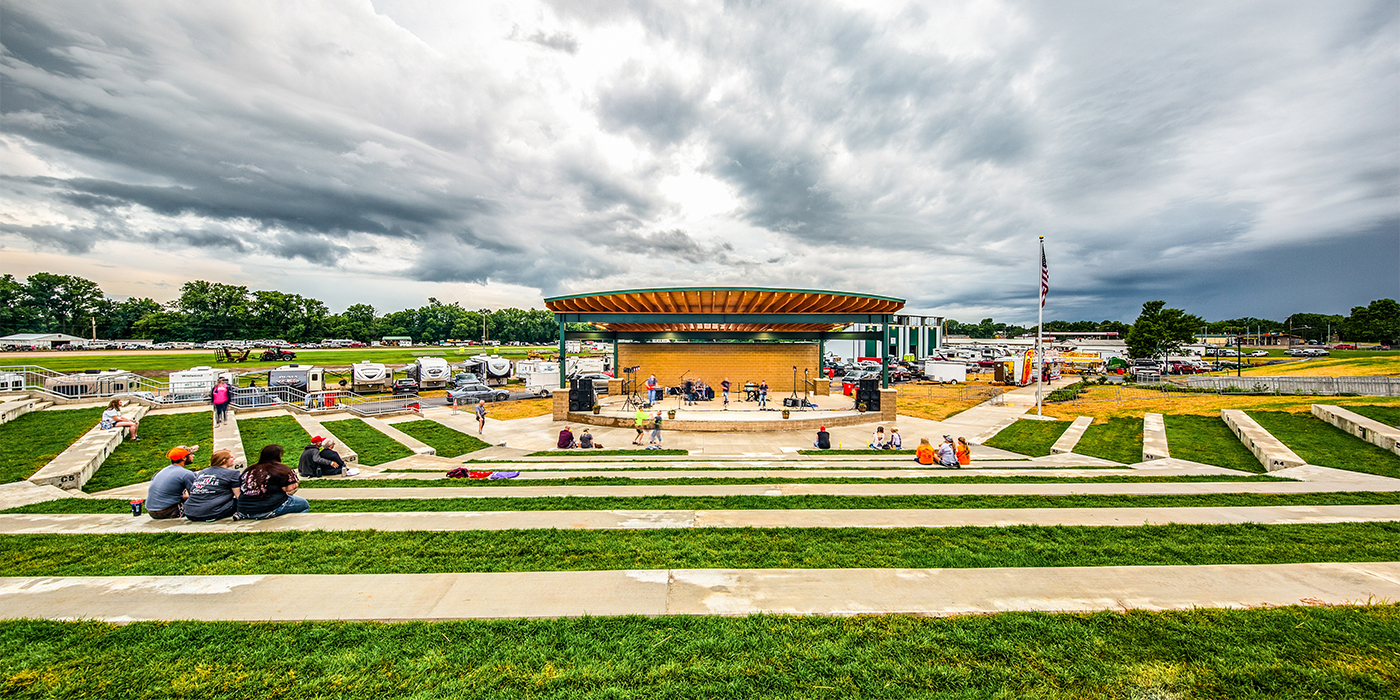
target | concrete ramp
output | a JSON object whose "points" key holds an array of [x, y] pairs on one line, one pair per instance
{"points": [[1066, 443], [1154, 437], [1386, 437], [1269, 450]]}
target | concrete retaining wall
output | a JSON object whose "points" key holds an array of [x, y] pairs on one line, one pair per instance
{"points": [[1270, 452], [13, 409], [1373, 431]]}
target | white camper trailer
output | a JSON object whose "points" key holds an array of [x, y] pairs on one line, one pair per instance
{"points": [[93, 383], [585, 365], [302, 377], [491, 368], [945, 372], [431, 372], [196, 382], [369, 376]]}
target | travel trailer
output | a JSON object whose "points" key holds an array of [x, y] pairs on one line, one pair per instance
{"points": [[302, 377], [369, 376], [945, 372], [431, 372], [490, 368], [93, 382], [196, 382]]}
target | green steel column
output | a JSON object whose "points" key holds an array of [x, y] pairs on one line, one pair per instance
{"points": [[821, 355], [562, 373], [616, 371], [885, 359]]}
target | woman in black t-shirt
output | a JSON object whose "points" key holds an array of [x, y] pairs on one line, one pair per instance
{"points": [[269, 487]]}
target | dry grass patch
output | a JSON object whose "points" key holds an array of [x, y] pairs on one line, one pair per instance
{"points": [[939, 401], [524, 408], [1328, 367], [1112, 402]]}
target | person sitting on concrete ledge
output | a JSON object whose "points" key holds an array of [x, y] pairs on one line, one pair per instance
{"points": [[328, 452], [165, 499], [896, 442], [112, 418], [214, 494], [269, 488], [566, 439], [963, 451], [586, 441], [947, 455], [823, 439], [925, 454], [877, 441], [311, 464]]}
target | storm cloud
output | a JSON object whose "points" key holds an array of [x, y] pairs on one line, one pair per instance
{"points": [[1203, 154]]}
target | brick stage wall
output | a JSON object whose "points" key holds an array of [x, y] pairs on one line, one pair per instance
{"points": [[741, 362]]}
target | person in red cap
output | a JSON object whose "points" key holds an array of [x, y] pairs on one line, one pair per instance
{"points": [[311, 463], [165, 499]]}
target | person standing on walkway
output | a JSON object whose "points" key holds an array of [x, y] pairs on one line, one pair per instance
{"points": [[639, 419], [220, 396], [656, 429], [724, 387], [214, 494], [763, 393], [480, 416], [963, 451], [165, 499], [112, 418], [269, 488]]}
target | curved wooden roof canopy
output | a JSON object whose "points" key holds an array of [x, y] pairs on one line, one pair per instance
{"points": [[732, 309]]}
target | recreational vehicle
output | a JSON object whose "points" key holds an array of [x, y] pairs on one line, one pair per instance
{"points": [[431, 372], [93, 382], [945, 372], [369, 376], [491, 368], [301, 377], [196, 382]]}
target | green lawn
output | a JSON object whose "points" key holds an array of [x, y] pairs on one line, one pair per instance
{"points": [[1208, 440], [1204, 654], [1029, 437], [277, 430], [1118, 438], [29, 442], [1389, 415], [602, 479], [447, 442], [1321, 444], [377, 552], [442, 505], [638, 452], [134, 462], [372, 446]]}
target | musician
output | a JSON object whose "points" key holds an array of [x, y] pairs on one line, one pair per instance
{"points": [[653, 395], [763, 393]]}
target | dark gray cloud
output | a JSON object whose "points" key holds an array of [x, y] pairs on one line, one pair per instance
{"points": [[1165, 152]]}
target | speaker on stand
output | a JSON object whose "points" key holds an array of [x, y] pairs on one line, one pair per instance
{"points": [[868, 395], [581, 395]]}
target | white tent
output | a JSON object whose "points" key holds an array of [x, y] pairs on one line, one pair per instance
{"points": [[42, 340]]}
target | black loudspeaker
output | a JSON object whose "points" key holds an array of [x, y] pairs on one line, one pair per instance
{"points": [[868, 393], [581, 396], [790, 402]]}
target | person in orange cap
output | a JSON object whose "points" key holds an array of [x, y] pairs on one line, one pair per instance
{"points": [[165, 499]]}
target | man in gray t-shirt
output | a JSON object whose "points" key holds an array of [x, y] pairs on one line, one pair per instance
{"points": [[214, 494], [166, 497]]}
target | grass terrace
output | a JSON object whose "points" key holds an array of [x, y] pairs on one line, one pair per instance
{"points": [[447, 442], [1389, 415], [937, 402], [1326, 446], [1292, 652], [135, 462], [523, 408], [372, 446], [29, 442], [1118, 439], [1208, 441], [1033, 438], [277, 430]]}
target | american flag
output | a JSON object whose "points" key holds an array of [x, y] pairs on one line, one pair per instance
{"points": [[1044, 274]]}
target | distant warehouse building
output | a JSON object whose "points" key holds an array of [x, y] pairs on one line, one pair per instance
{"points": [[41, 340]]}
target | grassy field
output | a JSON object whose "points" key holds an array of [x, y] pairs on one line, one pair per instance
{"points": [[1118, 439], [1112, 401], [376, 552], [372, 446], [29, 442], [1029, 437], [277, 430], [1326, 446], [1288, 652], [442, 505], [447, 442], [1389, 415], [523, 408], [134, 462], [938, 401], [1209, 441], [1337, 365], [603, 479]]}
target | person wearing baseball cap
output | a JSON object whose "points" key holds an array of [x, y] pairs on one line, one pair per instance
{"points": [[311, 463], [165, 499]]}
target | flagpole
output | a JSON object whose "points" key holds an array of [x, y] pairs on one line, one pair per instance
{"points": [[1040, 333]]}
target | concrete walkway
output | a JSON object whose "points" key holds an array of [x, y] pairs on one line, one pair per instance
{"points": [[1203, 470], [547, 594], [108, 524], [1050, 489]]}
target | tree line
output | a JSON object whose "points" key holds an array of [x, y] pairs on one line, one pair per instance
{"points": [[49, 303]]}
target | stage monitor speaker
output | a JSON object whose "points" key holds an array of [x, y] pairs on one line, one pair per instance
{"points": [[581, 396], [790, 402]]}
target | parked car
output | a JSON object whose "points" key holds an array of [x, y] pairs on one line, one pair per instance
{"points": [[405, 385], [469, 393], [1259, 353]]}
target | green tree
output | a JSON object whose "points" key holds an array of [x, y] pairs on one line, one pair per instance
{"points": [[117, 319], [61, 302], [1378, 322], [1160, 330], [17, 315], [214, 311]]}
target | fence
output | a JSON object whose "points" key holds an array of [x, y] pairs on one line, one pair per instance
{"points": [[1316, 386]]}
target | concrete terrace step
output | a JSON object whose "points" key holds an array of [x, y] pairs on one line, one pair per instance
{"points": [[1154, 437], [23, 493], [1269, 450], [12, 409], [542, 474], [227, 437], [107, 524], [1070, 438], [1386, 437], [75, 465], [655, 592]]}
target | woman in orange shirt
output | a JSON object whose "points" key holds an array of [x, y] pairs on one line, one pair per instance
{"points": [[963, 451], [924, 455]]}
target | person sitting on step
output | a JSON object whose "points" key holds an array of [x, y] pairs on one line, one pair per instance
{"points": [[877, 441], [566, 439], [925, 454], [586, 441], [823, 439]]}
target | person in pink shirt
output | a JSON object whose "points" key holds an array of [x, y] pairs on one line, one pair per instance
{"points": [[220, 396]]}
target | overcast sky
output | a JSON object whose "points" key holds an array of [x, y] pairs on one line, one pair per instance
{"points": [[1232, 158]]}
